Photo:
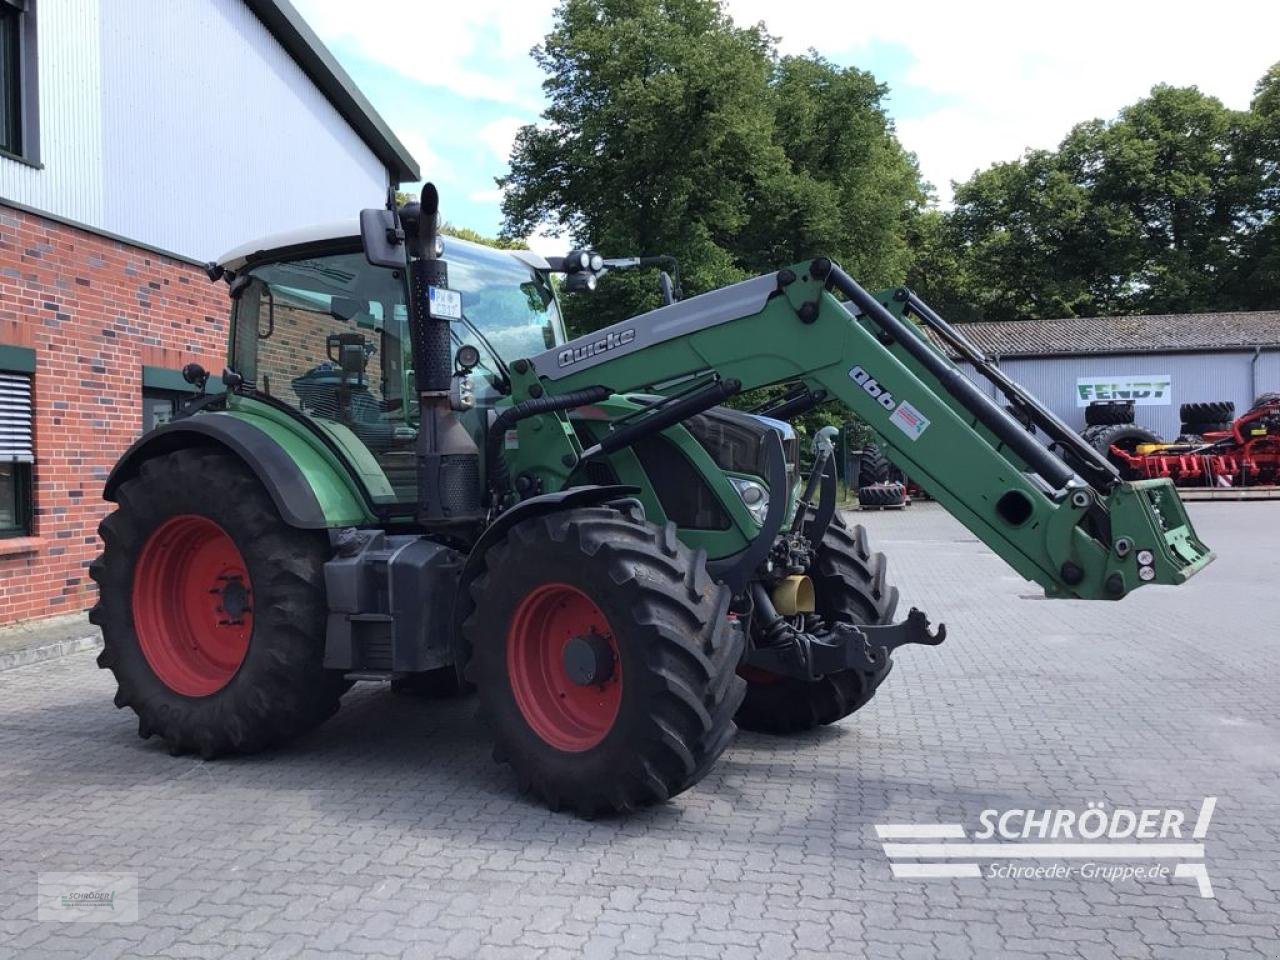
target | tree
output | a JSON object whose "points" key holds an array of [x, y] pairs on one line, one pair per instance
{"points": [[671, 129], [1258, 273], [1164, 209]]}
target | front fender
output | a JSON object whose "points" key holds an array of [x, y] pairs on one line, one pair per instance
{"points": [[309, 491]]}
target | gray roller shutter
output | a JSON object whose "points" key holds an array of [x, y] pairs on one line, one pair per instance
{"points": [[15, 418]]}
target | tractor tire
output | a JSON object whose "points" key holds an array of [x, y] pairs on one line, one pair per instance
{"points": [[604, 658], [212, 609], [875, 467], [1200, 429], [1264, 399], [882, 495], [849, 586], [1127, 437], [1106, 413], [1196, 414]]}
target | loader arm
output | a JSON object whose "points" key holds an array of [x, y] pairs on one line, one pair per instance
{"points": [[1094, 538]]}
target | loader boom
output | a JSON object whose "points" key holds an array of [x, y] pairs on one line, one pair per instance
{"points": [[1087, 537]]}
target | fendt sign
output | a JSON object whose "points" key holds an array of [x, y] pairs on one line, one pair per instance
{"points": [[1145, 390]]}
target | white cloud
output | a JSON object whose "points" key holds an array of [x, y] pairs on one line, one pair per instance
{"points": [[1014, 75], [485, 196], [431, 164], [1003, 75], [542, 241], [498, 135], [449, 45]]}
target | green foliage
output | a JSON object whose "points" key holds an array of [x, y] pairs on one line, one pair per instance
{"points": [[466, 233], [672, 129], [1169, 208]]}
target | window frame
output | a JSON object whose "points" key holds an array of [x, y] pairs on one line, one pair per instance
{"points": [[25, 79], [23, 502], [21, 362]]}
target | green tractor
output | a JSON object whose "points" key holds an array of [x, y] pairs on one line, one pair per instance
{"points": [[410, 474]]}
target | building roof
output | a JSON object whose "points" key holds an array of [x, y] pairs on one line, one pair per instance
{"points": [[300, 42], [1164, 333]]}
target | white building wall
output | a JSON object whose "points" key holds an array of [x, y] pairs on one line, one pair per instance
{"points": [[184, 125], [1196, 377], [70, 182]]}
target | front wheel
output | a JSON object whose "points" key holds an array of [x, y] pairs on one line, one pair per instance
{"points": [[604, 659], [212, 609]]}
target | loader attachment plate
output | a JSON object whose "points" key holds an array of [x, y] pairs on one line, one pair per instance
{"points": [[1177, 553]]}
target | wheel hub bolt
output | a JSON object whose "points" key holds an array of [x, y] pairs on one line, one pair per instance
{"points": [[588, 659]]}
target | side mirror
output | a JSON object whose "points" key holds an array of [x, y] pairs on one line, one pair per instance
{"points": [[195, 375], [382, 238], [668, 288]]}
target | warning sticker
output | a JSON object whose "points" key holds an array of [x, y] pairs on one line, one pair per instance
{"points": [[909, 420]]}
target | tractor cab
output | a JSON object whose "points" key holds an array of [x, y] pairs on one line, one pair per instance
{"points": [[317, 327]]}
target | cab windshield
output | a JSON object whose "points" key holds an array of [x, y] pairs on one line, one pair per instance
{"points": [[329, 334]]}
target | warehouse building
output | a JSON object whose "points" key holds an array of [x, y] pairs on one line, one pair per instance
{"points": [[139, 140], [1159, 362]]}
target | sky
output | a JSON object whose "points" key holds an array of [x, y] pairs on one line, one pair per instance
{"points": [[970, 83]]}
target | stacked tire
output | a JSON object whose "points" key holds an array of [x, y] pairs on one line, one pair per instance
{"points": [[1201, 418], [876, 469], [877, 496], [1107, 413], [1265, 399]]}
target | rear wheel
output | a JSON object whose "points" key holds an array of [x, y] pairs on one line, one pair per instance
{"points": [[212, 609], [850, 587], [604, 659]]}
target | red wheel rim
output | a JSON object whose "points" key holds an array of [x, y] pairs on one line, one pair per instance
{"points": [[568, 715], [192, 605]]}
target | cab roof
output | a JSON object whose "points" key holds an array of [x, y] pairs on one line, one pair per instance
{"points": [[291, 242]]}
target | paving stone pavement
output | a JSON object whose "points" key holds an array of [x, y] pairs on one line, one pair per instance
{"points": [[391, 833]]}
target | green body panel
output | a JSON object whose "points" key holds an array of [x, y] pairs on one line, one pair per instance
{"points": [[332, 482], [717, 543], [935, 440]]}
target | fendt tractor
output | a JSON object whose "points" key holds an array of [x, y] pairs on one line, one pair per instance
{"points": [[408, 472]]}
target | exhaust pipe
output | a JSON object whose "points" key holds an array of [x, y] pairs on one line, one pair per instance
{"points": [[447, 457]]}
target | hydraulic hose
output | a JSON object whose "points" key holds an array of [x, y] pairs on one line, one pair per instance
{"points": [[498, 476]]}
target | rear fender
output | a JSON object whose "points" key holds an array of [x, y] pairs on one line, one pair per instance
{"points": [[308, 489]]}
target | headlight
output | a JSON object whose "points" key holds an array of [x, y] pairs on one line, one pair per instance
{"points": [[755, 496]]}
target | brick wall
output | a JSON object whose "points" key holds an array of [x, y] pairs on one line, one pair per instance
{"points": [[95, 311]]}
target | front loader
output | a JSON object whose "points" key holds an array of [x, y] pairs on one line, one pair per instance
{"points": [[411, 473]]}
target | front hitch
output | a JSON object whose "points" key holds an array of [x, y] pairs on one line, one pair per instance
{"points": [[809, 656]]}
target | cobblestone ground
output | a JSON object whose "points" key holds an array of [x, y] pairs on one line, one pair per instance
{"points": [[391, 833]]}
